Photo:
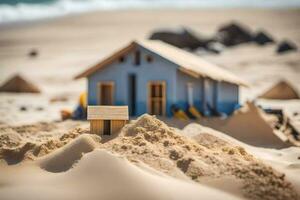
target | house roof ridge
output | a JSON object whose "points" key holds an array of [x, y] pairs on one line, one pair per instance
{"points": [[187, 62]]}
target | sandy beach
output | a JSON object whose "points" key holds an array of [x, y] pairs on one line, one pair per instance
{"points": [[146, 160], [69, 45], [45, 158]]}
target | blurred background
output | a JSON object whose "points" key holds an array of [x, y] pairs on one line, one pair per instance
{"points": [[24, 10], [48, 42]]}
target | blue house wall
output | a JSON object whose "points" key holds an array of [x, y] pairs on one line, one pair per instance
{"points": [[225, 96], [158, 70], [222, 96], [183, 80], [228, 97]]}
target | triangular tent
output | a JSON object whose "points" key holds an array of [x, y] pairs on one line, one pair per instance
{"points": [[19, 85], [281, 90]]}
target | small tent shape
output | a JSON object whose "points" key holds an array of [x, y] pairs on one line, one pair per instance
{"points": [[282, 91], [18, 84]]}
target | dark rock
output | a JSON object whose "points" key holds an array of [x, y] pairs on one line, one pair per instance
{"points": [[33, 53], [296, 114], [39, 108], [182, 38], [286, 46], [233, 34], [23, 108], [263, 38]]}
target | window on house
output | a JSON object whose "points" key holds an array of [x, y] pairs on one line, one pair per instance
{"points": [[149, 59], [137, 58], [157, 98], [121, 59], [106, 93]]}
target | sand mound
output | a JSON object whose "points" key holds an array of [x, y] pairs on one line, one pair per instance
{"points": [[284, 160], [154, 143], [143, 185], [249, 125], [18, 84], [10, 139], [30, 141], [102, 175], [281, 90], [63, 158], [149, 142], [17, 154]]}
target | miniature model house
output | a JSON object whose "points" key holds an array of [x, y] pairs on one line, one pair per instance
{"points": [[151, 76], [107, 120]]}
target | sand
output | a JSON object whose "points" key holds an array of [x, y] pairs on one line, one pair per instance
{"points": [[20, 143], [69, 45], [211, 157], [285, 160], [249, 124], [152, 148], [42, 158], [281, 91], [103, 175]]}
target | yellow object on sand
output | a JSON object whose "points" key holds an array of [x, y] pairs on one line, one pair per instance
{"points": [[83, 100], [180, 114], [195, 112]]}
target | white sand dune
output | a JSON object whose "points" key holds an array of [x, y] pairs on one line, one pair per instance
{"points": [[249, 125], [102, 175], [285, 160], [19, 143], [207, 156], [63, 158], [158, 163]]}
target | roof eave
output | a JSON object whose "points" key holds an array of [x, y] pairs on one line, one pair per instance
{"points": [[197, 75], [103, 118], [244, 84], [110, 59], [189, 72]]}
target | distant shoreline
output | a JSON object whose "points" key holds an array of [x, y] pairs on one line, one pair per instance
{"points": [[33, 22]]}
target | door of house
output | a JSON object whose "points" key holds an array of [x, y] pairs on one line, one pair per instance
{"points": [[106, 127], [132, 94], [209, 96], [106, 93], [157, 98]]}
